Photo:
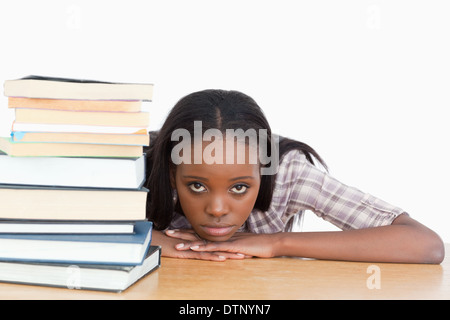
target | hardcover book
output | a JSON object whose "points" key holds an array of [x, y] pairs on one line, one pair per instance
{"points": [[61, 203], [63, 227], [71, 128], [92, 118], [43, 149], [119, 173], [76, 105], [119, 249], [81, 137], [84, 276], [66, 88]]}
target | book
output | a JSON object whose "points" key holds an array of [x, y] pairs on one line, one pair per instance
{"points": [[93, 118], [37, 149], [119, 173], [73, 128], [80, 137], [66, 88], [63, 203], [72, 227], [76, 105], [88, 276], [122, 249]]}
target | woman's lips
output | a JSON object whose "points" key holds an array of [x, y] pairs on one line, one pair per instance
{"points": [[217, 231]]}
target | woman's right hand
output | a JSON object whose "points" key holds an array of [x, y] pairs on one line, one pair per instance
{"points": [[178, 243]]}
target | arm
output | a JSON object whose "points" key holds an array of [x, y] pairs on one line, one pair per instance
{"points": [[405, 241]]}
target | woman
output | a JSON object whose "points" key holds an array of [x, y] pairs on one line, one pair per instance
{"points": [[210, 199]]}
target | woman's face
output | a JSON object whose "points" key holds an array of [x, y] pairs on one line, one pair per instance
{"points": [[217, 198]]}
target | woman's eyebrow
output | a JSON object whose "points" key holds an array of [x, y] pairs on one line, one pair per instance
{"points": [[196, 178], [242, 178]]}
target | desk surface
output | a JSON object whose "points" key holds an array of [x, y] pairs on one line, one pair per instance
{"points": [[280, 278]]}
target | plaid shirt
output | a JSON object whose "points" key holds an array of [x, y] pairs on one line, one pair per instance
{"points": [[300, 186]]}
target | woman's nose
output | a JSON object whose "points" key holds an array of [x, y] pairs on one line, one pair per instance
{"points": [[217, 206]]}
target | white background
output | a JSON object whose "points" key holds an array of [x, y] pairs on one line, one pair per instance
{"points": [[366, 83]]}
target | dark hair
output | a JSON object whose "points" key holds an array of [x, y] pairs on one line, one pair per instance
{"points": [[217, 109]]}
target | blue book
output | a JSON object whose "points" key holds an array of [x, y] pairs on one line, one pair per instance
{"points": [[120, 249]]}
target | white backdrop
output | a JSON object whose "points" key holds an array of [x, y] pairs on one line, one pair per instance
{"points": [[365, 82]]}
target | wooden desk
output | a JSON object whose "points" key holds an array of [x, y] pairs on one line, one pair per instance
{"points": [[280, 278]]}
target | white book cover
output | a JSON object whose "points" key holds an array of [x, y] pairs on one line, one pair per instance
{"points": [[123, 173]]}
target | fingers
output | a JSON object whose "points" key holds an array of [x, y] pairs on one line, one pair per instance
{"points": [[210, 256], [192, 247], [212, 246], [195, 249], [187, 246], [189, 235], [222, 247], [201, 256]]}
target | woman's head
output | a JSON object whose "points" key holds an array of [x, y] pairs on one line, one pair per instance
{"points": [[215, 155], [191, 154]]}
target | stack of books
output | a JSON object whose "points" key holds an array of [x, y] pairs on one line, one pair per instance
{"points": [[76, 118], [73, 206]]}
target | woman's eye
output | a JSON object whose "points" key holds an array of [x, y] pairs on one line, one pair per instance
{"points": [[197, 187], [239, 189]]}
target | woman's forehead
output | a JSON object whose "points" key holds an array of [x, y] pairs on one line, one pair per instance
{"points": [[223, 172]]}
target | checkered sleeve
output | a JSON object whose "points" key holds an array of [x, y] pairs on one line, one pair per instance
{"points": [[302, 186]]}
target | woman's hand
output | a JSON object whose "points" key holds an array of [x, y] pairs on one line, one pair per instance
{"points": [[177, 243], [240, 244]]}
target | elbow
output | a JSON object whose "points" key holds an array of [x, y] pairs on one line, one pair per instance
{"points": [[437, 254], [425, 245], [434, 250]]}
